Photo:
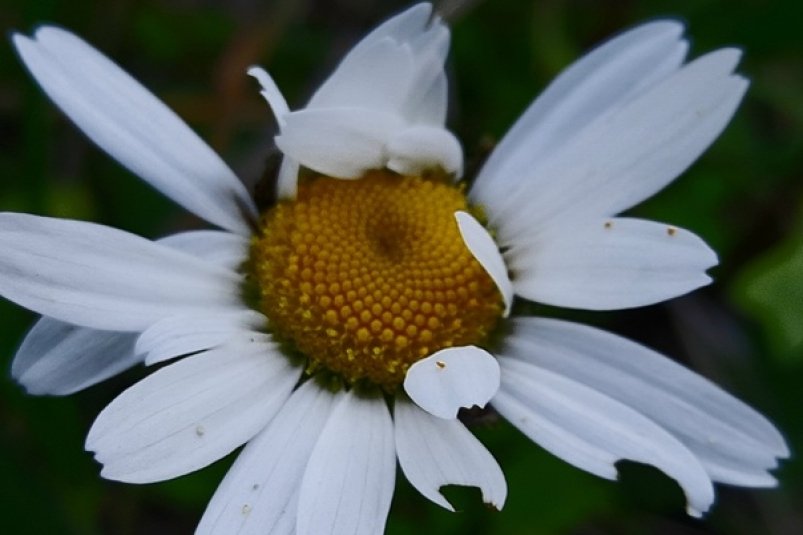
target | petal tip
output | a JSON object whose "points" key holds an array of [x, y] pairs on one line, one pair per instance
{"points": [[15, 36]]}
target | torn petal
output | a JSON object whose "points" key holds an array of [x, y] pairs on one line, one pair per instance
{"points": [[270, 92], [453, 378], [434, 452]]}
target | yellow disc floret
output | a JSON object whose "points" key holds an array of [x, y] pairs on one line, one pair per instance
{"points": [[367, 276]]}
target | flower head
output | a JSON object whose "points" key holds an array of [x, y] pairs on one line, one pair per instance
{"points": [[365, 277], [344, 327]]}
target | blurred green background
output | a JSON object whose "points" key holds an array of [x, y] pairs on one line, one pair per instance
{"points": [[744, 197]]}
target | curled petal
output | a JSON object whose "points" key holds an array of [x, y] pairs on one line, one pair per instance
{"points": [[484, 249], [270, 92]]}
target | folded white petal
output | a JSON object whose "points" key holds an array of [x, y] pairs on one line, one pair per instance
{"points": [[453, 378], [418, 148], [339, 142], [627, 155], [434, 452], [397, 68], [593, 431], [260, 492], [734, 443], [135, 128], [596, 83], [384, 106], [221, 248], [404, 27], [484, 249], [375, 77], [100, 277], [191, 413], [57, 358], [428, 98], [349, 481], [609, 264], [430, 107], [175, 336]]}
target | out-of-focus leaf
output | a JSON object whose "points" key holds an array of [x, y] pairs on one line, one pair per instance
{"points": [[771, 291]]}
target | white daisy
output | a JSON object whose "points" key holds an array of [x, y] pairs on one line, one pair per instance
{"points": [[304, 329]]}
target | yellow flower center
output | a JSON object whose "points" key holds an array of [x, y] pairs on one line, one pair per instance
{"points": [[365, 277]]}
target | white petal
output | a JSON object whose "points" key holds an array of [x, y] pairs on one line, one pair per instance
{"points": [[591, 86], [135, 128], [270, 92], [592, 431], [287, 181], [609, 264], [403, 27], [191, 413], [430, 107], [734, 443], [376, 77], [724, 469], [428, 97], [418, 148], [434, 452], [627, 155], [222, 248], [101, 277], [339, 142], [384, 105], [259, 494], [453, 378], [484, 249], [393, 69], [57, 358], [349, 481], [175, 336]]}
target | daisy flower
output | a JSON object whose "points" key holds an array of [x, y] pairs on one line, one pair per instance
{"points": [[341, 329]]}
